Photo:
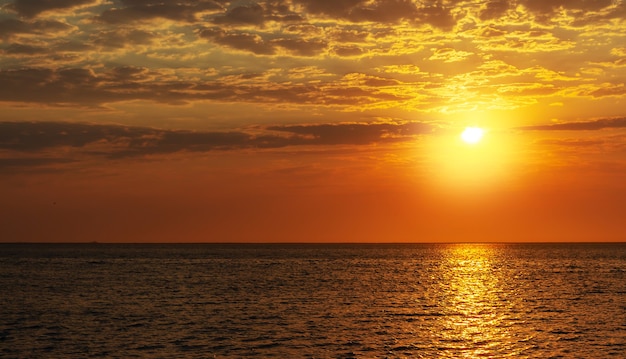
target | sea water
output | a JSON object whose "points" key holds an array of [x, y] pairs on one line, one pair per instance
{"points": [[313, 300]]}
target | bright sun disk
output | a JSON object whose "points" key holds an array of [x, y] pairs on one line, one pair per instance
{"points": [[472, 135]]}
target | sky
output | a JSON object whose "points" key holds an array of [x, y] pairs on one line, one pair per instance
{"points": [[312, 121]]}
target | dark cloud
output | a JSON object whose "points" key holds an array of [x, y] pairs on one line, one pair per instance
{"points": [[545, 10], [381, 11], [339, 8], [32, 8], [36, 136], [379, 81], [495, 9], [350, 36], [72, 46], [250, 14], [303, 29], [258, 13], [579, 126], [618, 12], [437, 16], [137, 10], [22, 49], [548, 7], [347, 51], [384, 11], [492, 31], [301, 47], [81, 87], [614, 90], [357, 133], [120, 38], [437, 13], [84, 87], [115, 141], [127, 73], [240, 41], [255, 43], [10, 27]]}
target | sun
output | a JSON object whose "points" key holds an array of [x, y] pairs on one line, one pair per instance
{"points": [[472, 135]]}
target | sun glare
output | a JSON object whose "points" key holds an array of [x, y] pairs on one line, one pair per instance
{"points": [[472, 135], [472, 161]]}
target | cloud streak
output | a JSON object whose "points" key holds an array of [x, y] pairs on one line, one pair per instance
{"points": [[580, 126], [115, 141]]}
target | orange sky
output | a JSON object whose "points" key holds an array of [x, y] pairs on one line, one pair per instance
{"points": [[307, 120]]}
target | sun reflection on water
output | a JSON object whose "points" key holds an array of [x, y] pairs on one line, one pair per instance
{"points": [[475, 302]]}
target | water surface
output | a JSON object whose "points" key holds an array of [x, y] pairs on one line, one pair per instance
{"points": [[313, 301]]}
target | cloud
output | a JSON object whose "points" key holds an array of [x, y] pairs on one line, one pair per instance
{"points": [[449, 55], [545, 9], [240, 41], [347, 51], [579, 126], [609, 90], [50, 86], [10, 27], [139, 10], [36, 136], [249, 14], [32, 8], [22, 49], [437, 16], [616, 12], [330, 8], [115, 141], [384, 11], [120, 38], [85, 87], [255, 43], [495, 9], [340, 35], [381, 11], [301, 47], [356, 133], [71, 57]]}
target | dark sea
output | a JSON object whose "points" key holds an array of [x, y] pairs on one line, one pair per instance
{"points": [[313, 300]]}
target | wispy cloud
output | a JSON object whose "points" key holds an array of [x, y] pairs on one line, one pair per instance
{"points": [[579, 126]]}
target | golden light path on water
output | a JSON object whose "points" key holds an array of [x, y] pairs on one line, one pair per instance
{"points": [[478, 304]]}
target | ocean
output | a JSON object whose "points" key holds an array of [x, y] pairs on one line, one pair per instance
{"points": [[313, 300]]}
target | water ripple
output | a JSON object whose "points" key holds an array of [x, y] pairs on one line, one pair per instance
{"points": [[313, 301]]}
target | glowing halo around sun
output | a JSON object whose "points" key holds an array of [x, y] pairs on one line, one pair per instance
{"points": [[469, 162], [472, 135]]}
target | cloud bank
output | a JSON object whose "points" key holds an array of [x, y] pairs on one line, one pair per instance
{"points": [[116, 141], [466, 53]]}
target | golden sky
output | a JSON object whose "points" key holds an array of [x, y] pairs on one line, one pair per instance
{"points": [[309, 120]]}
